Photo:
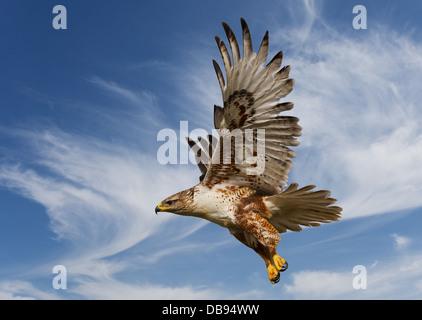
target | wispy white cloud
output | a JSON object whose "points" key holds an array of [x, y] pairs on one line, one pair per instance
{"points": [[400, 242], [24, 290], [303, 14], [98, 279], [117, 90], [113, 289], [398, 279], [147, 110], [97, 193], [319, 284], [186, 248]]}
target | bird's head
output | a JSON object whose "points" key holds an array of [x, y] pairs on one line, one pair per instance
{"points": [[179, 203]]}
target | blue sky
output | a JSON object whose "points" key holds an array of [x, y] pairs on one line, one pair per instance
{"points": [[80, 110]]}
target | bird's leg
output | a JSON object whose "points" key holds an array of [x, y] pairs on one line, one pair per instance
{"points": [[267, 240]]}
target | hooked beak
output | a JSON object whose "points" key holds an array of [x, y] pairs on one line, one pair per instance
{"points": [[160, 208]]}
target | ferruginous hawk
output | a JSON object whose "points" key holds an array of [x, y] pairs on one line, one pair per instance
{"points": [[244, 191]]}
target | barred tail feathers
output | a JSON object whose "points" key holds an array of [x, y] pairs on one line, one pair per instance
{"points": [[295, 207]]}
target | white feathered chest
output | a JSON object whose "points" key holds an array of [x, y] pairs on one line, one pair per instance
{"points": [[219, 203]]}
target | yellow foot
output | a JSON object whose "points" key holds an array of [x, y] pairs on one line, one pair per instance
{"points": [[280, 263], [273, 274], [273, 270]]}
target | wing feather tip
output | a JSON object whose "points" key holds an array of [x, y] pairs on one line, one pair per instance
{"points": [[278, 56]]}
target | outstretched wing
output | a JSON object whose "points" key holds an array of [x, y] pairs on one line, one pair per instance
{"points": [[251, 101]]}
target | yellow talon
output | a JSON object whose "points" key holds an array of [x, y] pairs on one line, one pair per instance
{"points": [[272, 273], [279, 262]]}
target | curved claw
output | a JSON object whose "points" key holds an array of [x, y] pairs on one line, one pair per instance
{"points": [[276, 279], [284, 267]]}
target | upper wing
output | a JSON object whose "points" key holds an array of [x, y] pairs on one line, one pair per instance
{"points": [[251, 101]]}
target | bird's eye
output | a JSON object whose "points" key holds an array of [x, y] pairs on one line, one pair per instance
{"points": [[169, 201]]}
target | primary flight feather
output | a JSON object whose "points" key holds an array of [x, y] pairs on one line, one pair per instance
{"points": [[244, 171]]}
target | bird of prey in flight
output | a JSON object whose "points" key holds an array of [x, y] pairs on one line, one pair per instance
{"points": [[246, 190]]}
